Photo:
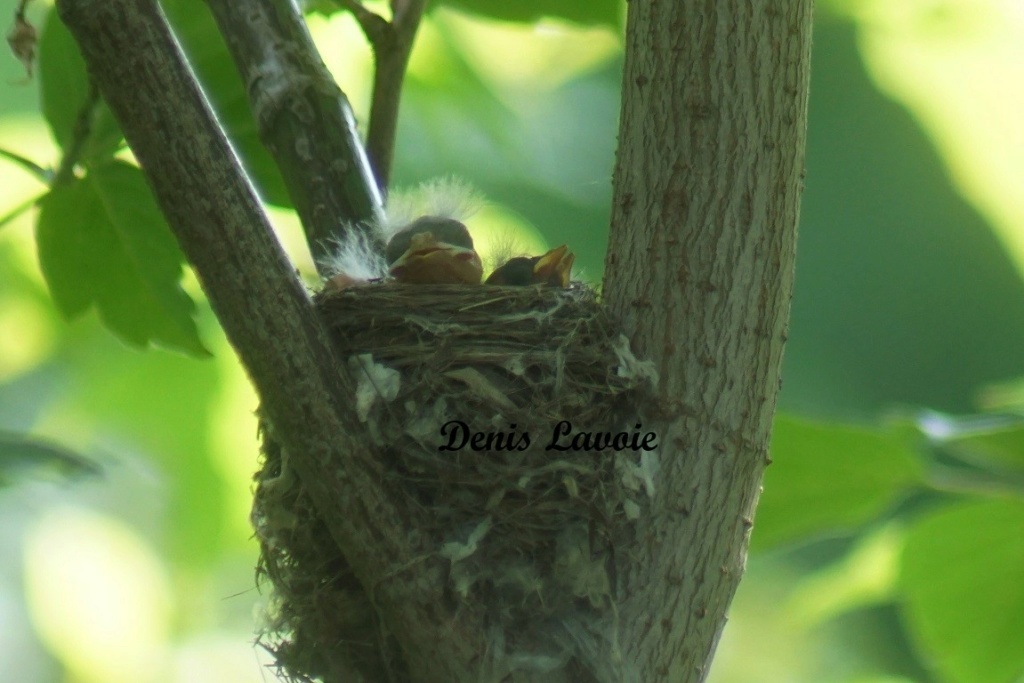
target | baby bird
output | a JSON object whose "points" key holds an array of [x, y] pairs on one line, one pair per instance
{"points": [[433, 250], [553, 269]]}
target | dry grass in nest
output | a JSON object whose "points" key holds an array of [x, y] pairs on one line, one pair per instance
{"points": [[529, 533]]}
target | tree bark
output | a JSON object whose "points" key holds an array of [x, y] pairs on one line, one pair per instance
{"points": [[700, 271], [391, 51], [304, 119], [270, 321]]}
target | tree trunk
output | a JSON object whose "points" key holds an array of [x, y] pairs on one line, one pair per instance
{"points": [[700, 270]]}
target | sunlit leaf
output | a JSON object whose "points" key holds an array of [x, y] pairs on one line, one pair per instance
{"points": [[963, 590], [102, 241], [593, 12], [64, 89], [23, 455], [830, 477], [64, 83]]}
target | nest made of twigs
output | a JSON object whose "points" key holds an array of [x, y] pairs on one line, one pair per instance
{"points": [[529, 532]]}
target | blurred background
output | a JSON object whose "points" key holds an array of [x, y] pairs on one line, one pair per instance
{"points": [[890, 541]]}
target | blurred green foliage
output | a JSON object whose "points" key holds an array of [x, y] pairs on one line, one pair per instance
{"points": [[832, 477], [593, 12], [962, 590], [22, 455], [892, 531]]}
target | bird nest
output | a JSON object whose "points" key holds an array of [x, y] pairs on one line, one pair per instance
{"points": [[512, 420]]}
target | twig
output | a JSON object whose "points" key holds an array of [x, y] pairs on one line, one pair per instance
{"points": [[375, 27], [392, 58], [43, 174]]}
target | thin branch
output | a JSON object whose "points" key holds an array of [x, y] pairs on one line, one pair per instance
{"points": [[217, 218], [392, 58], [375, 27], [79, 136], [304, 119]]}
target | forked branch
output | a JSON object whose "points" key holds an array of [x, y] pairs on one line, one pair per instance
{"points": [[269, 319]]}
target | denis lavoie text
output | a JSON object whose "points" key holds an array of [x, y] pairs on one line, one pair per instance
{"points": [[457, 435]]}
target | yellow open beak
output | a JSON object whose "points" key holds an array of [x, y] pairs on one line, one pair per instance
{"points": [[555, 267]]}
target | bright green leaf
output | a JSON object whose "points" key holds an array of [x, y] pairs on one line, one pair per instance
{"points": [[64, 89], [102, 241], [963, 586], [829, 477], [593, 12], [21, 454], [64, 83]]}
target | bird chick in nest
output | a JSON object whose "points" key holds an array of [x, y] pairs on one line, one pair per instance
{"points": [[553, 268], [427, 241]]}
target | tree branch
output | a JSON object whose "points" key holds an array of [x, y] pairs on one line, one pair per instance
{"points": [[374, 26], [391, 50], [304, 119], [217, 218], [706, 197]]}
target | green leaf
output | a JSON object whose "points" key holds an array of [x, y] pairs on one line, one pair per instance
{"points": [[594, 12], [831, 477], [22, 455], [63, 80], [64, 89], [990, 441], [963, 582], [102, 241]]}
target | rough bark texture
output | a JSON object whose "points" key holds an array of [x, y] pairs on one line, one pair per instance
{"points": [[304, 119], [270, 321], [700, 270]]}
